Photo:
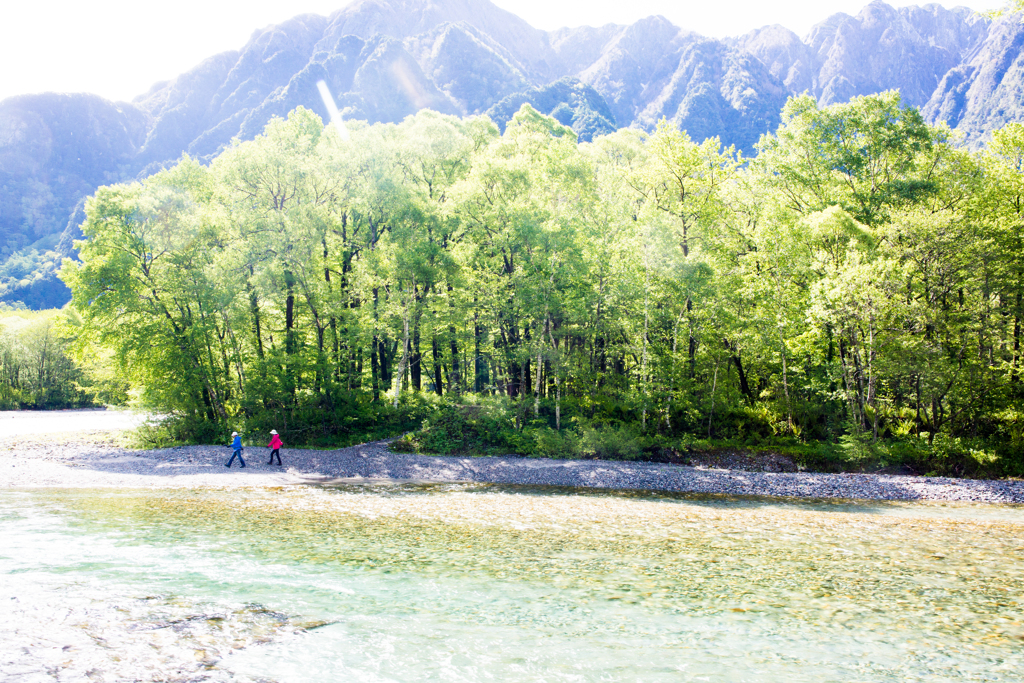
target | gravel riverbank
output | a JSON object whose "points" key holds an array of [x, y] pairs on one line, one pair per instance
{"points": [[69, 464]]}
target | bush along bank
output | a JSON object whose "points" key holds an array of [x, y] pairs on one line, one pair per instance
{"points": [[500, 427], [339, 426]]}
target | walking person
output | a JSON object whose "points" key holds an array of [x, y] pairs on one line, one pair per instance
{"points": [[275, 446], [236, 446]]}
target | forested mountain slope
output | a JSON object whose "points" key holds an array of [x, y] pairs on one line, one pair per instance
{"points": [[386, 59]]}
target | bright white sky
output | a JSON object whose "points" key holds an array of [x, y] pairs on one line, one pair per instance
{"points": [[119, 48]]}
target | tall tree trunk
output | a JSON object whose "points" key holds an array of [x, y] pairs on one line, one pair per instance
{"points": [[416, 370], [672, 374], [436, 356], [872, 381], [289, 335], [555, 373], [785, 384], [289, 313], [692, 346], [734, 356], [480, 378], [400, 375], [536, 382], [643, 363], [510, 344], [335, 349], [454, 377], [375, 367], [849, 382], [598, 359], [714, 386], [254, 311], [375, 355], [1015, 362], [387, 353]]}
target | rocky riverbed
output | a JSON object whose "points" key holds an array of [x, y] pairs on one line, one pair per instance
{"points": [[96, 461]]}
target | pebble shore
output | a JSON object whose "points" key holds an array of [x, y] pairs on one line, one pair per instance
{"points": [[84, 465]]}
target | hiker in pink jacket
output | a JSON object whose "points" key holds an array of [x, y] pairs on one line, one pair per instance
{"points": [[275, 446]]}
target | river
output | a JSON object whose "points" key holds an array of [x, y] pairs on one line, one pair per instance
{"points": [[409, 582]]}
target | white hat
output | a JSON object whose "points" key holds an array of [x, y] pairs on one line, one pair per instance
{"points": [[234, 433], [273, 431]]}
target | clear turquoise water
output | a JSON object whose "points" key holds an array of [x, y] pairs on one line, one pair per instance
{"points": [[471, 583]]}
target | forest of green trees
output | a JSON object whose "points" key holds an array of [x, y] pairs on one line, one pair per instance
{"points": [[853, 293], [36, 369]]}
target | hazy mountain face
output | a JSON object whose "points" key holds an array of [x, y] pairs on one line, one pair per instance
{"points": [[986, 90], [386, 59], [908, 49]]}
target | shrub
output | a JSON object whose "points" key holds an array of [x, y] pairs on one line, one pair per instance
{"points": [[345, 424], [610, 442], [473, 427], [551, 443]]}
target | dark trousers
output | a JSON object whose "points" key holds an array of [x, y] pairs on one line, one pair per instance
{"points": [[277, 452], [236, 454]]}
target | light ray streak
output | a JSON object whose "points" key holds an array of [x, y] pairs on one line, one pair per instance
{"points": [[332, 109]]}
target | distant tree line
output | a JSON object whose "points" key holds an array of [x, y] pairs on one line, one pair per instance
{"points": [[36, 370], [860, 279]]}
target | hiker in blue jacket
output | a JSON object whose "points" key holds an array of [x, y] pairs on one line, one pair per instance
{"points": [[236, 446]]}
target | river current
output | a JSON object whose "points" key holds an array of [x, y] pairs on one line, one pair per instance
{"points": [[408, 582]]}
